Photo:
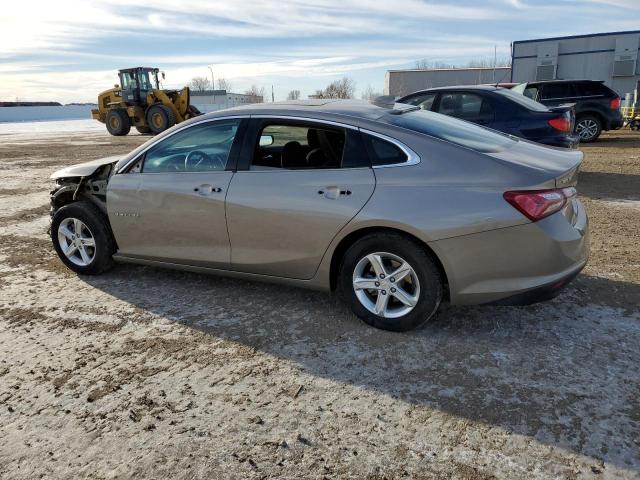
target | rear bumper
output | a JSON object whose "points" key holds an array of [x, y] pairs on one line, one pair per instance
{"points": [[565, 141], [615, 124], [519, 264], [539, 294]]}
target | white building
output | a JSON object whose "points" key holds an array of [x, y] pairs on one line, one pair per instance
{"points": [[212, 100]]}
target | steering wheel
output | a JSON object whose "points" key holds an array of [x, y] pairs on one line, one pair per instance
{"points": [[198, 158]]}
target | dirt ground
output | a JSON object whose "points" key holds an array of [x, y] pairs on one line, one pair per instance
{"points": [[146, 373]]}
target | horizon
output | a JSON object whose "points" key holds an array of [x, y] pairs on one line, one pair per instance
{"points": [[70, 51]]}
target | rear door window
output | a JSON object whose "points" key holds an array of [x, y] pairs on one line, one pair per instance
{"points": [[300, 145], [467, 106], [552, 91]]}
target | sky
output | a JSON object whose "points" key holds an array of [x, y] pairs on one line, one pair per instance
{"points": [[69, 51]]}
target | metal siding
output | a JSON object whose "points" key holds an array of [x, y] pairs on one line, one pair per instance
{"points": [[582, 57], [403, 82]]}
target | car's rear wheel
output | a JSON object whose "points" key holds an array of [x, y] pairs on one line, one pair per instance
{"points": [[390, 282], [82, 238], [588, 128]]}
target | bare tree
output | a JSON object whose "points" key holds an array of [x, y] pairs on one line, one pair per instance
{"points": [[224, 84], [294, 95], [200, 84], [343, 88], [256, 92], [370, 94], [425, 64], [482, 62]]}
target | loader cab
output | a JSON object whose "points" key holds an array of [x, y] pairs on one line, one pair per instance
{"points": [[136, 83]]}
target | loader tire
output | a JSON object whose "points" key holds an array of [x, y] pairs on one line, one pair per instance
{"points": [[118, 122], [160, 118], [192, 111], [143, 129]]}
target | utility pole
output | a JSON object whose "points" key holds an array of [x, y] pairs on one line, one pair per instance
{"points": [[272, 97], [213, 85], [495, 60]]}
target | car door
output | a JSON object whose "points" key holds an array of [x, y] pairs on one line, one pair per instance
{"points": [[282, 212], [170, 204]]}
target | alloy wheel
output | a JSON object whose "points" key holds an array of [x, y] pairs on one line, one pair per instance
{"points": [[76, 241], [386, 285], [587, 129]]}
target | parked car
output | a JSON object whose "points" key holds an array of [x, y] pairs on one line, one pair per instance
{"points": [[503, 110], [597, 106], [395, 208]]}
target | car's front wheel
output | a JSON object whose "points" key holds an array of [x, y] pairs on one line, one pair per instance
{"points": [[390, 282], [82, 238]]}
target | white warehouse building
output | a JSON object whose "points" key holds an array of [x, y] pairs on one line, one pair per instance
{"points": [[212, 100], [613, 57]]}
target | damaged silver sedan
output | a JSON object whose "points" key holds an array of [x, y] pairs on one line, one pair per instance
{"points": [[394, 208]]}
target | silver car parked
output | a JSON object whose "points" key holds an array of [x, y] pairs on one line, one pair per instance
{"points": [[394, 208]]}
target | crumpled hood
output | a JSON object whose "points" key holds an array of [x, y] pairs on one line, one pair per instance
{"points": [[85, 169]]}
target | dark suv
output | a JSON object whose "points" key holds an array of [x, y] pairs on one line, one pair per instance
{"points": [[597, 106]]}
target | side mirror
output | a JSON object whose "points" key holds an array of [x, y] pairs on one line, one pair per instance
{"points": [[266, 140], [116, 85]]}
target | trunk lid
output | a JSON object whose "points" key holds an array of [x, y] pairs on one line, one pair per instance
{"points": [[543, 167]]}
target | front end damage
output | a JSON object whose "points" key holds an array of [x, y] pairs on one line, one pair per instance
{"points": [[86, 181]]}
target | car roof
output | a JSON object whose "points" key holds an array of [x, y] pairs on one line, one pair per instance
{"points": [[566, 80], [487, 88], [352, 108]]}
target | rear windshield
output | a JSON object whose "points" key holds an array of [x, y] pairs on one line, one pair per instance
{"points": [[522, 100], [453, 130]]}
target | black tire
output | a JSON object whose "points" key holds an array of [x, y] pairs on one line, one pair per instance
{"points": [[192, 111], [144, 130], [428, 276], [160, 118], [118, 122], [591, 128], [99, 228]]}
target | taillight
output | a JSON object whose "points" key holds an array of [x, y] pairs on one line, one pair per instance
{"points": [[537, 204], [615, 103], [562, 124]]}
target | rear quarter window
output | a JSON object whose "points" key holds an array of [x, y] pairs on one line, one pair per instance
{"points": [[591, 89], [452, 130], [383, 152]]}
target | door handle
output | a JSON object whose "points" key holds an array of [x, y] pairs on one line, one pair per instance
{"points": [[207, 189], [334, 192]]}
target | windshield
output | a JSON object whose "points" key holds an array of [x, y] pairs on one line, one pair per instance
{"points": [[522, 99], [453, 130], [148, 80]]}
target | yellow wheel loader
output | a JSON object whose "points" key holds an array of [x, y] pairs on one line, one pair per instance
{"points": [[139, 102]]}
